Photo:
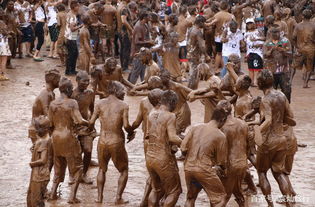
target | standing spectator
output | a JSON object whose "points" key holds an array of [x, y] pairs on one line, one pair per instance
{"points": [[24, 15], [277, 51], [61, 42], [140, 38], [125, 30], [254, 43], [40, 17], [52, 27], [71, 34], [12, 30], [232, 40], [4, 47]]}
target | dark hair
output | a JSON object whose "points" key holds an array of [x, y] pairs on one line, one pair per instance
{"points": [[192, 10], [155, 82], [307, 13], [200, 20], [73, 4], [246, 82], [219, 115], [143, 15], [224, 5], [265, 79], [61, 7]]}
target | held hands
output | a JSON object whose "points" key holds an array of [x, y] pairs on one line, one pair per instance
{"points": [[191, 96], [131, 136]]}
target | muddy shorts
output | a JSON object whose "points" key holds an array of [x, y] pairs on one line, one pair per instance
{"points": [[164, 175], [233, 181], [209, 181], [274, 159], [117, 152], [84, 61], [109, 33], [74, 163], [36, 193], [304, 59]]}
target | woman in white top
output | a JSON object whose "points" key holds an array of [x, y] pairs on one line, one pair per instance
{"points": [[4, 47], [254, 42], [52, 27], [40, 17]]}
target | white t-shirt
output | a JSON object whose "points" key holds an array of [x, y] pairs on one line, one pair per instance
{"points": [[250, 44], [26, 12], [39, 14], [233, 43], [71, 18], [52, 16]]}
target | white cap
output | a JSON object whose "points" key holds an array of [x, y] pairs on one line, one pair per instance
{"points": [[250, 20]]}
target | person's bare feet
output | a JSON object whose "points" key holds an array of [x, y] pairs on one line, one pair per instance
{"points": [[73, 200], [10, 67], [99, 200], [86, 180], [120, 201]]}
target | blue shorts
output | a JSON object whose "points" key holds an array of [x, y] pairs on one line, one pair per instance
{"points": [[27, 34]]}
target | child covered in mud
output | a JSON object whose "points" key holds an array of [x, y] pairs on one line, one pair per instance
{"points": [[40, 163], [4, 46]]}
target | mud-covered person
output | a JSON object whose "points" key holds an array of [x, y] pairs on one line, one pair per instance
{"points": [[64, 115], [196, 49], [160, 162], [40, 175], [13, 31], [43, 100], [85, 98], [236, 132], [277, 51], [140, 38], [113, 114], [61, 42], [103, 75], [303, 39], [205, 148], [85, 53], [271, 140]]}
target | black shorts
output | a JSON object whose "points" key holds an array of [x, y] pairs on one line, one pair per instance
{"points": [[27, 34], [254, 62], [218, 46], [53, 32], [183, 54]]}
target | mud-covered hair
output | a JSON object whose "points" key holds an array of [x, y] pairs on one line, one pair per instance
{"points": [[155, 96], [265, 79]]}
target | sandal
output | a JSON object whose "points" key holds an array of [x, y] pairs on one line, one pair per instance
{"points": [[38, 59]]}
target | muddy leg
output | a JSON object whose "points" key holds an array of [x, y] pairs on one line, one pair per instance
{"points": [[101, 178], [122, 181]]}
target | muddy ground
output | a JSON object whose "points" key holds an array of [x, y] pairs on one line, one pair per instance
{"points": [[16, 98]]}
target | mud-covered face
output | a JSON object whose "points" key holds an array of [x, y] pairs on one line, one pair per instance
{"points": [[111, 65], [55, 81], [275, 35], [83, 83], [10, 5]]}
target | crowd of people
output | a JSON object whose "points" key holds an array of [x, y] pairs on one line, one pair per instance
{"points": [[171, 47]]}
